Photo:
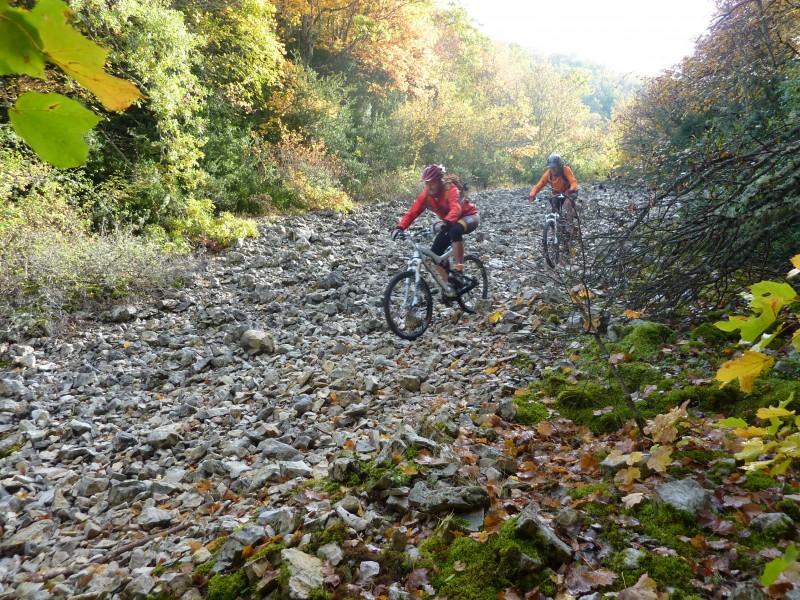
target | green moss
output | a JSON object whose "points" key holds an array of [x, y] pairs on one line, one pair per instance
{"points": [[159, 570], [227, 587], [10, 450], [270, 552], [464, 569], [331, 487], [644, 341], [530, 412], [669, 572], [334, 533], [756, 481], [411, 452], [368, 475], [665, 523], [204, 569], [601, 489], [710, 334], [320, 594], [638, 375], [791, 508]]}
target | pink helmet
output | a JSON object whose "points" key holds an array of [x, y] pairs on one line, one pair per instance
{"points": [[432, 173]]}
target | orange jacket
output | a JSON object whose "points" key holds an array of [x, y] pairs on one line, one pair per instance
{"points": [[448, 206], [565, 182]]}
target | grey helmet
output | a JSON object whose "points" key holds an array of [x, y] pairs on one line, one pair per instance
{"points": [[554, 160]]}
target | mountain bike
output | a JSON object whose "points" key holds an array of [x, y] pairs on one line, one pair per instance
{"points": [[556, 238], [408, 301]]}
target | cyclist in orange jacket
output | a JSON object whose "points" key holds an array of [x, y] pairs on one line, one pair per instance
{"points": [[562, 181], [459, 216]]}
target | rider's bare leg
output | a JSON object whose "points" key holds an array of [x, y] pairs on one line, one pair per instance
{"points": [[458, 256]]}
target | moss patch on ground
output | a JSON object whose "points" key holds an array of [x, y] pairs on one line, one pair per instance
{"points": [[529, 411], [463, 569], [671, 573], [227, 587]]}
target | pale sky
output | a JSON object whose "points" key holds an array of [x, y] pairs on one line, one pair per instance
{"points": [[639, 36]]}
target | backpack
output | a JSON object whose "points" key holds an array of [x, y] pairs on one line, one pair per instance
{"points": [[454, 179]]}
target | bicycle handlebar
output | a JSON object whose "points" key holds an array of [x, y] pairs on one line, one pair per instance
{"points": [[416, 234]]}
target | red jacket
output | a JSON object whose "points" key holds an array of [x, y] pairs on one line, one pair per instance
{"points": [[448, 206]]}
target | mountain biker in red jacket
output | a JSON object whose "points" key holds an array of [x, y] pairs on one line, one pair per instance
{"points": [[459, 216], [562, 181]]}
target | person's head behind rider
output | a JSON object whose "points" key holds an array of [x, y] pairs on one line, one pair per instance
{"points": [[555, 164], [433, 178]]}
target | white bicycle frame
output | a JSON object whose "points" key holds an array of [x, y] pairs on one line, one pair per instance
{"points": [[414, 264], [553, 218]]}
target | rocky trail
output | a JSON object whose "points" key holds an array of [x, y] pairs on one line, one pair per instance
{"points": [[216, 425]]}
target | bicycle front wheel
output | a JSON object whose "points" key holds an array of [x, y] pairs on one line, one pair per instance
{"points": [[476, 283], [550, 245], [408, 305]]}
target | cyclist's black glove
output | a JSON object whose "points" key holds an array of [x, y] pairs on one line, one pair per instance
{"points": [[397, 233], [446, 225]]}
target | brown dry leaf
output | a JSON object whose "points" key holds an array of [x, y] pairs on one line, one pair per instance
{"points": [[632, 314], [644, 589], [194, 545], [492, 522], [350, 444], [545, 429], [510, 448], [459, 566], [229, 495], [203, 486], [247, 551], [508, 594], [408, 470], [617, 358], [589, 462]]}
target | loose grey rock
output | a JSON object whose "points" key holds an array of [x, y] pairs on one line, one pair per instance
{"points": [[152, 518], [776, 524], [369, 570], [305, 573], [685, 494], [530, 526], [256, 341], [278, 450], [163, 437], [332, 553], [631, 558]]}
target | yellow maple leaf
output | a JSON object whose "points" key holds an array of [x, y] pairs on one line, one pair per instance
{"points": [[496, 316], [745, 368], [627, 476], [773, 411], [750, 432], [491, 370], [660, 458], [796, 264], [632, 314]]}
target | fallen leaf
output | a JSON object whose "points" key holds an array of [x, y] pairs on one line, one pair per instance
{"points": [[745, 368], [632, 314], [633, 499], [644, 589]]}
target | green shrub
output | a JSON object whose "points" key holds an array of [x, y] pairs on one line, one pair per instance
{"points": [[199, 224]]}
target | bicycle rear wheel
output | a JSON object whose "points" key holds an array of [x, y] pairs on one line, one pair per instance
{"points": [[474, 284], [408, 305], [550, 246]]}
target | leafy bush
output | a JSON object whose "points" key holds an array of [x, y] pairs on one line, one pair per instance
{"points": [[199, 225]]}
